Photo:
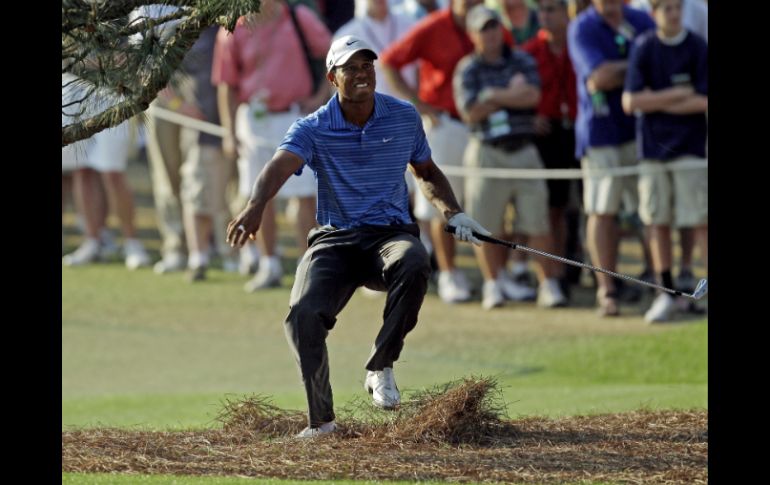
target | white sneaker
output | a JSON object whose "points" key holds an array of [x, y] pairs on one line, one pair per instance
{"points": [[87, 252], [381, 384], [549, 294], [268, 276], [248, 260], [453, 287], [661, 309], [325, 428], [172, 261], [512, 290], [491, 295], [136, 256]]}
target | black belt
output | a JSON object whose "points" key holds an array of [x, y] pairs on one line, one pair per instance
{"points": [[509, 143]]}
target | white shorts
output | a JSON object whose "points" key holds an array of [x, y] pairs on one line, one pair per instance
{"points": [[106, 151], [258, 140], [447, 142]]}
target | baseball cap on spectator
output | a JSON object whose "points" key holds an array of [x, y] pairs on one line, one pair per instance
{"points": [[479, 16]]}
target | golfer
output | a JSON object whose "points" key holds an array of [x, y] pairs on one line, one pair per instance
{"points": [[358, 146]]}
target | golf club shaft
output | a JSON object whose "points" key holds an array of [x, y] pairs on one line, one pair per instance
{"points": [[451, 229]]}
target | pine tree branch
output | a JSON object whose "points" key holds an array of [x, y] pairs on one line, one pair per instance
{"points": [[131, 74]]}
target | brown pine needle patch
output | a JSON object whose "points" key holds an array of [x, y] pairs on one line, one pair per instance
{"points": [[455, 432]]}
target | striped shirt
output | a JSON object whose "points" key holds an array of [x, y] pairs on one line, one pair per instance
{"points": [[359, 171], [473, 74]]}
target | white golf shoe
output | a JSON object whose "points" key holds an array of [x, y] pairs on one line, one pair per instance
{"points": [[662, 308], [381, 384], [86, 253], [550, 295], [514, 290], [453, 287], [136, 256], [325, 428], [491, 295]]}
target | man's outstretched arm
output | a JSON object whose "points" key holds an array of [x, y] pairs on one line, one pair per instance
{"points": [[277, 171]]}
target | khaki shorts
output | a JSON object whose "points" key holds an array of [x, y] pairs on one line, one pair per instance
{"points": [[447, 142], [673, 197], [605, 193], [205, 174], [487, 198]]}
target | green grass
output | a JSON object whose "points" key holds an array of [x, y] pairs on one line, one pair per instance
{"points": [[150, 351], [108, 479]]}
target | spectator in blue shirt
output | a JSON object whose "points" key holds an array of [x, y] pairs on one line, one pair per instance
{"points": [[599, 42], [667, 82], [358, 146]]}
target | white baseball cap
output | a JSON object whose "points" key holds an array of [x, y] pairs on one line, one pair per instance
{"points": [[343, 49], [479, 16]]}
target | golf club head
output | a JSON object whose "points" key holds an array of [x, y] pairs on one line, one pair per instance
{"points": [[700, 290]]}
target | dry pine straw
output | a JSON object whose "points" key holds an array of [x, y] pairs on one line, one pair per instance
{"points": [[454, 432]]}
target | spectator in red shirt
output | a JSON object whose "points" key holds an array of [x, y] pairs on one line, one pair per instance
{"points": [[556, 112]]}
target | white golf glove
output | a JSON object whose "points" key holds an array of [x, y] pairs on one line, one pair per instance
{"points": [[465, 226]]}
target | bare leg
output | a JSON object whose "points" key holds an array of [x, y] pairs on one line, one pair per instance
{"points": [[86, 187], [443, 245], [543, 266], [558, 221], [488, 257], [702, 235], [122, 199], [660, 247], [687, 238], [602, 242], [198, 229]]}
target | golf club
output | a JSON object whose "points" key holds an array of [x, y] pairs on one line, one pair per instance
{"points": [[700, 289]]}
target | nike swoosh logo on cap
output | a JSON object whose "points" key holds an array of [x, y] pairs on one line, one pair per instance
{"points": [[351, 42]]}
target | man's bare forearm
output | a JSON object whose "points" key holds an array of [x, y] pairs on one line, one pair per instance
{"points": [[693, 104], [435, 186], [648, 101], [479, 111], [608, 76], [272, 177], [227, 106], [517, 97]]}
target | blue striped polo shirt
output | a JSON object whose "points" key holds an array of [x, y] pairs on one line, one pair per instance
{"points": [[359, 171]]}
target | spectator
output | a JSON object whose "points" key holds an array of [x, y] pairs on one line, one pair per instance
{"points": [[599, 41], [438, 42], [667, 81], [258, 103], [497, 90], [519, 19], [556, 112], [376, 25]]}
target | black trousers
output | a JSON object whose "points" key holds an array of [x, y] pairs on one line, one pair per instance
{"points": [[336, 263]]}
